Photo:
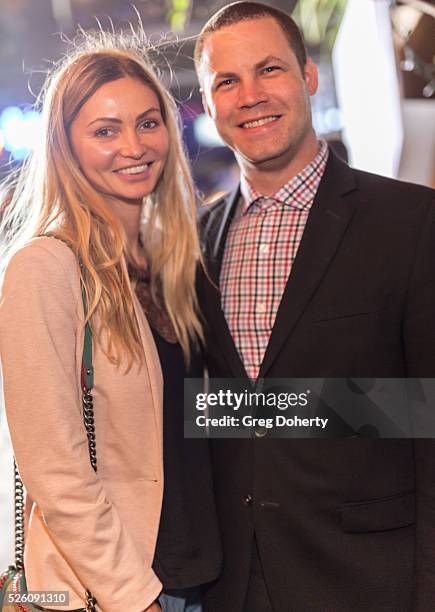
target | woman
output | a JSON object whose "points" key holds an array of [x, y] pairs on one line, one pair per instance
{"points": [[110, 143]]}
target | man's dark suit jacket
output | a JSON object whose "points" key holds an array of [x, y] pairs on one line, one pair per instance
{"points": [[343, 525]]}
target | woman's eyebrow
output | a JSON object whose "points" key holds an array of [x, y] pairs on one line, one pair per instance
{"points": [[153, 109]]}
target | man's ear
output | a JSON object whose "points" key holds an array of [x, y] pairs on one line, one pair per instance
{"points": [[311, 76]]}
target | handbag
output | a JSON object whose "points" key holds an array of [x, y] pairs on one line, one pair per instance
{"points": [[13, 588]]}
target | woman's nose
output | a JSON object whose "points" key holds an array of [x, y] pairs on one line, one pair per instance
{"points": [[132, 145]]}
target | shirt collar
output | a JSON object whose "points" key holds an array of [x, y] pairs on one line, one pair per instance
{"points": [[298, 192]]}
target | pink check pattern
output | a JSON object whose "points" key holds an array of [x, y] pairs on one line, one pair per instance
{"points": [[260, 249]]}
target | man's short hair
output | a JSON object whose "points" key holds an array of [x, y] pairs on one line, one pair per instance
{"points": [[245, 11]]}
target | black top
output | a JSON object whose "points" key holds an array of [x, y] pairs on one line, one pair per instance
{"points": [[188, 551]]}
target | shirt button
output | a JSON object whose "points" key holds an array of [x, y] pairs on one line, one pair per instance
{"points": [[247, 499], [261, 308], [264, 248]]}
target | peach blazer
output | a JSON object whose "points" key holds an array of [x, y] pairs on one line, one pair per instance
{"points": [[86, 530]]}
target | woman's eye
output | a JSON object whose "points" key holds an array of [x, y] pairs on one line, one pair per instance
{"points": [[149, 124], [104, 132]]}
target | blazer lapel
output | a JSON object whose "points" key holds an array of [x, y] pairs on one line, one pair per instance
{"points": [[152, 363], [215, 234], [327, 222]]}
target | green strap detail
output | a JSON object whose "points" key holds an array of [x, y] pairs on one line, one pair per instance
{"points": [[87, 368]]}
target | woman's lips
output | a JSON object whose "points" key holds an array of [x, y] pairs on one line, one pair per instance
{"points": [[135, 173]]}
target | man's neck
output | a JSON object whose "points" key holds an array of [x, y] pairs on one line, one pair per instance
{"points": [[269, 177]]}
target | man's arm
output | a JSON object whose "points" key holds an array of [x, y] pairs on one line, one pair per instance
{"points": [[419, 347]]}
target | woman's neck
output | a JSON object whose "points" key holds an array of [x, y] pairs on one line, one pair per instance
{"points": [[129, 215]]}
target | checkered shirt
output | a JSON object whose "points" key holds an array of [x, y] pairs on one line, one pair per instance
{"points": [[260, 249]]}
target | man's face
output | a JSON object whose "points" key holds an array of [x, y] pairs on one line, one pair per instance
{"points": [[254, 90]]}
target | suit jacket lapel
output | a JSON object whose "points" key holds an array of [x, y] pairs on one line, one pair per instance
{"points": [[215, 233], [218, 233], [327, 222]]}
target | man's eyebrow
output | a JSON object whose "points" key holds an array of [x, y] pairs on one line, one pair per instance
{"points": [[258, 66], [267, 60], [225, 75], [116, 120]]}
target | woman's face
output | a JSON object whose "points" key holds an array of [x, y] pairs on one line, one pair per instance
{"points": [[120, 141]]}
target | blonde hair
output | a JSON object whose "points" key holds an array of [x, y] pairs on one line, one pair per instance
{"points": [[50, 195]]}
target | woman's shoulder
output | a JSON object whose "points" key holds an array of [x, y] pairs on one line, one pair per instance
{"points": [[43, 261], [45, 252]]}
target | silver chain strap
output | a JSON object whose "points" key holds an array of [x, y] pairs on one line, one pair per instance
{"points": [[88, 419], [19, 519], [90, 602]]}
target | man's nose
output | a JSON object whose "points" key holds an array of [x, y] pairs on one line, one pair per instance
{"points": [[132, 144], [251, 93]]}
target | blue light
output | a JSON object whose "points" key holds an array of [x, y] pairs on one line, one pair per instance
{"points": [[205, 132], [10, 124], [20, 131]]}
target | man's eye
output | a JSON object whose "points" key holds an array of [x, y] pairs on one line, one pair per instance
{"points": [[226, 82], [270, 69]]}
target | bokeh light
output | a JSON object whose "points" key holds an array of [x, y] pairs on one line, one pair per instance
{"points": [[20, 130], [205, 132]]}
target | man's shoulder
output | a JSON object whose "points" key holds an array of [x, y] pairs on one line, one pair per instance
{"points": [[382, 197], [393, 189]]}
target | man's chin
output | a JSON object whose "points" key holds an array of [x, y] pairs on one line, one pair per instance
{"points": [[262, 159]]}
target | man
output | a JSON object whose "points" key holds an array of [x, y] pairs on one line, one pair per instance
{"points": [[314, 270]]}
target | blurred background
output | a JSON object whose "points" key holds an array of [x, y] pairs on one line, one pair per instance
{"points": [[375, 105]]}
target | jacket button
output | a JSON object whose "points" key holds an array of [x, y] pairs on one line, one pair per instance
{"points": [[260, 432], [247, 500], [267, 505]]}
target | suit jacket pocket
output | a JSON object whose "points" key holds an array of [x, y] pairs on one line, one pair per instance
{"points": [[358, 311], [379, 515]]}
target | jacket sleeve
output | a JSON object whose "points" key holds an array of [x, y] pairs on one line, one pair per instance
{"points": [[419, 344], [40, 313]]}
